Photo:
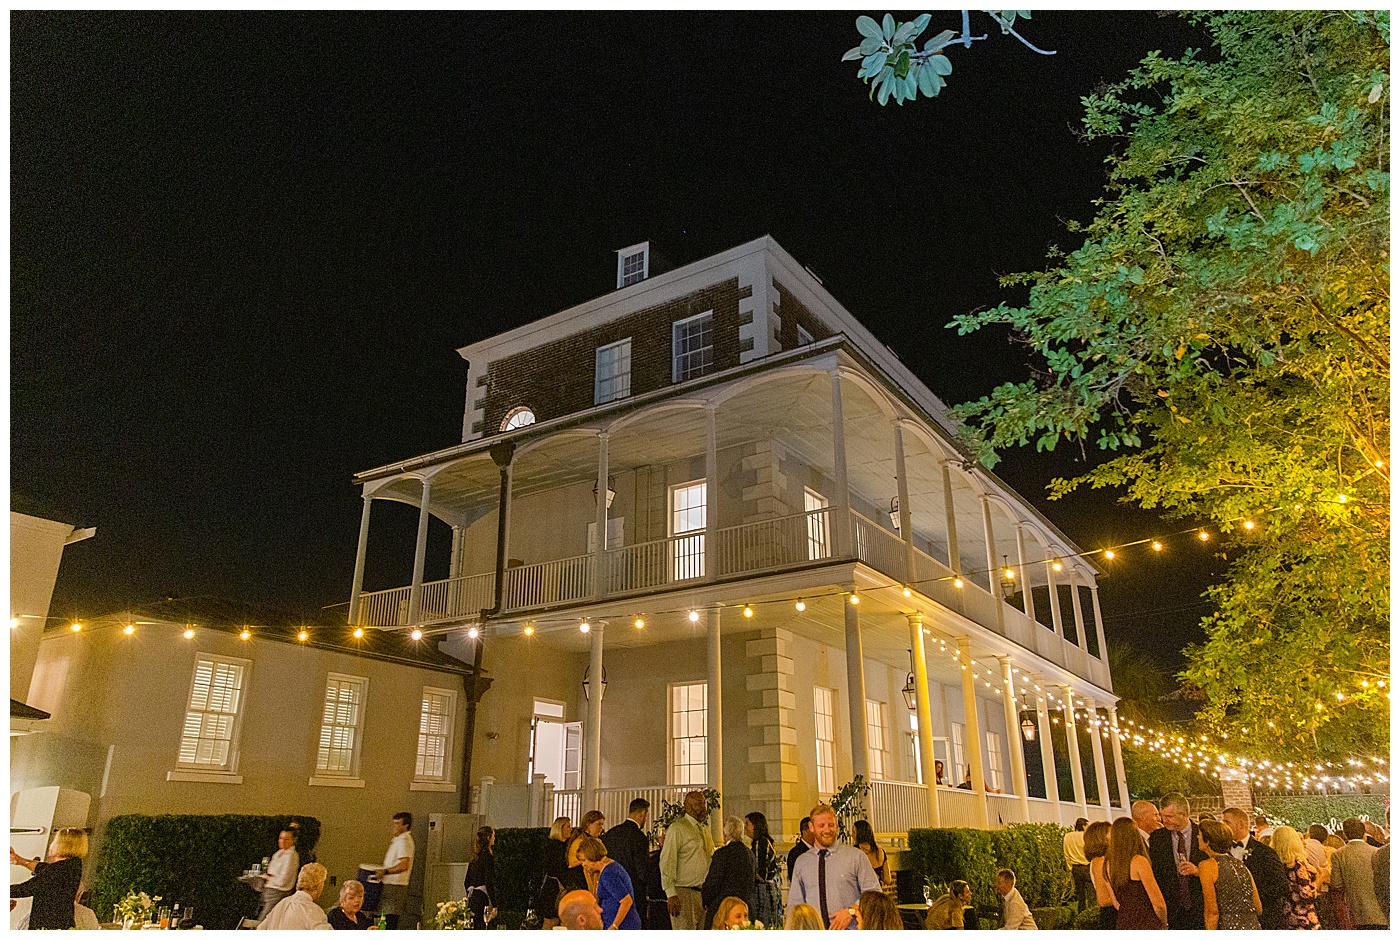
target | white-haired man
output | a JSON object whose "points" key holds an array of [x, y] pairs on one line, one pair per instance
{"points": [[300, 911]]}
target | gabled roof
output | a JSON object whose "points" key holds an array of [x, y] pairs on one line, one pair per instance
{"points": [[326, 629]]}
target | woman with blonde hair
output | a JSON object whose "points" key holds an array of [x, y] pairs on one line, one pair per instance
{"points": [[1129, 873], [55, 884], [877, 912], [556, 868], [610, 884], [731, 913], [804, 917], [1096, 852], [1300, 908]]}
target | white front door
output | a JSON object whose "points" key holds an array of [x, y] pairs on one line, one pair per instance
{"points": [[556, 751]]}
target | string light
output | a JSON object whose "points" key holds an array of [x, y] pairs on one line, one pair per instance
{"points": [[695, 616], [639, 623], [14, 622], [855, 598], [1249, 524], [246, 634], [76, 628], [416, 634], [1203, 535], [1156, 545], [473, 632], [908, 593], [584, 627], [129, 629], [801, 605], [1108, 553], [189, 633], [957, 582], [303, 635], [359, 633], [748, 611], [529, 629]]}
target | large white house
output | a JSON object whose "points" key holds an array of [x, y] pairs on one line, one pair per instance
{"points": [[802, 577]]}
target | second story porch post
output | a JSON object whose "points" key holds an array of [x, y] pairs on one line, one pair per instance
{"points": [[974, 744], [924, 709], [950, 514], [1047, 746], [714, 717], [593, 727], [1116, 741], [1076, 767], [1057, 616], [841, 527], [906, 512], [1098, 622], [855, 688], [1027, 595], [357, 584], [1079, 633], [600, 541], [1096, 743], [420, 555], [711, 551], [1013, 736]]}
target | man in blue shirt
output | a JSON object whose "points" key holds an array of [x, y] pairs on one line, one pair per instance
{"points": [[830, 876]]}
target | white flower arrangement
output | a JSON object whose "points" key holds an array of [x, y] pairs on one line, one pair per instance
{"points": [[135, 907], [453, 915]]}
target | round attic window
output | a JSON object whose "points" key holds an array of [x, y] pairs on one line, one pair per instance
{"points": [[518, 418]]}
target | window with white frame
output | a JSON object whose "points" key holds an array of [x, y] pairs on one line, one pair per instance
{"points": [[612, 372], [877, 721], [214, 714], [959, 765], [688, 735], [435, 734], [912, 760], [996, 777], [518, 417], [692, 346], [632, 264], [342, 726], [823, 707], [804, 338], [818, 542], [687, 524]]}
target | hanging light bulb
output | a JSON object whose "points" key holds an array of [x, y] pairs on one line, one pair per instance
{"points": [[529, 629], [76, 628], [303, 636], [1156, 545], [855, 598], [14, 622], [908, 593], [639, 623], [1108, 553], [189, 633], [748, 611], [585, 627], [1249, 524], [695, 616], [801, 605], [416, 635], [473, 633], [957, 582], [245, 635], [129, 629], [1055, 565], [1203, 535], [359, 632]]}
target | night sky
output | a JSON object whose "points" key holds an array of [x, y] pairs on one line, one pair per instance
{"points": [[244, 249]]}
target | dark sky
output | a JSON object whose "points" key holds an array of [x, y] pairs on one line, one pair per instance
{"points": [[245, 248]]}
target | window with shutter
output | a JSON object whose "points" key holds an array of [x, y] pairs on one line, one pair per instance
{"points": [[213, 716], [342, 724], [435, 735]]}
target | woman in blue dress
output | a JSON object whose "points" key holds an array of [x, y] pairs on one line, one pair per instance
{"points": [[610, 884]]}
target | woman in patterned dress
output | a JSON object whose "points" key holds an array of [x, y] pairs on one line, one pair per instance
{"points": [[1300, 910], [1231, 898]]}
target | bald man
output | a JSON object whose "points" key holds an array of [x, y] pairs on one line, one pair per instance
{"points": [[1146, 819], [579, 910]]}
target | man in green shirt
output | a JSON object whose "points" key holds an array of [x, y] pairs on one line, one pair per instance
{"points": [[685, 860]]}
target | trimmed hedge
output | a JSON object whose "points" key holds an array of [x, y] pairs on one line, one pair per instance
{"points": [[1034, 851], [195, 860], [1302, 811], [519, 870]]}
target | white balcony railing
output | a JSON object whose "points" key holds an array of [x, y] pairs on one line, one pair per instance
{"points": [[896, 807], [384, 608], [655, 564], [549, 583], [775, 543], [457, 597], [612, 802], [878, 547]]}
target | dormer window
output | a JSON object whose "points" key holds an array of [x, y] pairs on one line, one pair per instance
{"points": [[518, 417], [633, 264]]}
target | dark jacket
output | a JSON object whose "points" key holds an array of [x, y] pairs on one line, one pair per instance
{"points": [[339, 921], [731, 876], [628, 846], [481, 873], [1271, 878], [54, 889], [794, 854], [1159, 852]]}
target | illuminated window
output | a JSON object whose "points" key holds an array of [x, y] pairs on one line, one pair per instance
{"points": [[214, 713], [518, 417], [435, 735], [912, 759], [687, 524], [818, 546], [876, 742], [342, 726], [996, 776], [633, 264], [689, 714], [823, 705]]}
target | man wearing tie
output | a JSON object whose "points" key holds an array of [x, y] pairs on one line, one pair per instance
{"points": [[1270, 877], [831, 877], [1175, 851]]}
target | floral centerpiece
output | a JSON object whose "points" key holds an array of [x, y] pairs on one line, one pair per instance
{"points": [[747, 924], [135, 908], [453, 915]]}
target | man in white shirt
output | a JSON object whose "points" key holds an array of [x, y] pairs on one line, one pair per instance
{"points": [[685, 861], [280, 880], [398, 863], [300, 911], [1146, 818], [1015, 915]]}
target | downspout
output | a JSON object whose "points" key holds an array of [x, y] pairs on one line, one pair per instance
{"points": [[502, 454]]}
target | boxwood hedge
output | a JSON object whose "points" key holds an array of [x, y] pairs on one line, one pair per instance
{"points": [[1034, 851]]}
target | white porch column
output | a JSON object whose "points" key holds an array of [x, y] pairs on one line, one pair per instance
{"points": [[1056, 615], [993, 566], [454, 565], [1047, 748], [924, 711], [1027, 595], [1096, 741], [841, 505], [1098, 622], [714, 718], [855, 690], [358, 582], [1116, 741], [1079, 633], [593, 727], [600, 521], [420, 555], [711, 495], [973, 744], [1012, 710], [954, 559], [906, 513], [1076, 769]]}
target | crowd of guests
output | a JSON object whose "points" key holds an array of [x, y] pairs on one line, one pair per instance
{"points": [[1165, 868]]}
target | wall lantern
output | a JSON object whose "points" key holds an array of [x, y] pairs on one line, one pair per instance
{"points": [[894, 512], [1028, 728], [602, 691], [612, 492], [909, 690]]}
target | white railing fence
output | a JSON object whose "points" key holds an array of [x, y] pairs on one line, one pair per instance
{"points": [[656, 564], [775, 543], [896, 807], [384, 608], [549, 583], [612, 802], [457, 597], [878, 547]]}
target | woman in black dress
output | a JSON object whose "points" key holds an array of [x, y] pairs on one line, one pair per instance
{"points": [[731, 871], [54, 886], [767, 893], [480, 882]]}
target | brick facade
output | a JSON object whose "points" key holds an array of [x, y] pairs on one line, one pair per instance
{"points": [[792, 313], [556, 379]]}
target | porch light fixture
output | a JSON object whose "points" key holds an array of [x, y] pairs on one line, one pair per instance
{"points": [[801, 605], [584, 628], [1028, 729], [612, 492], [894, 512], [748, 611], [695, 616], [910, 691], [602, 689]]}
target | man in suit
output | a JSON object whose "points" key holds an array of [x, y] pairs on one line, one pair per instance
{"points": [[1263, 863], [804, 842], [627, 845], [1353, 873], [1175, 851], [1146, 819]]}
